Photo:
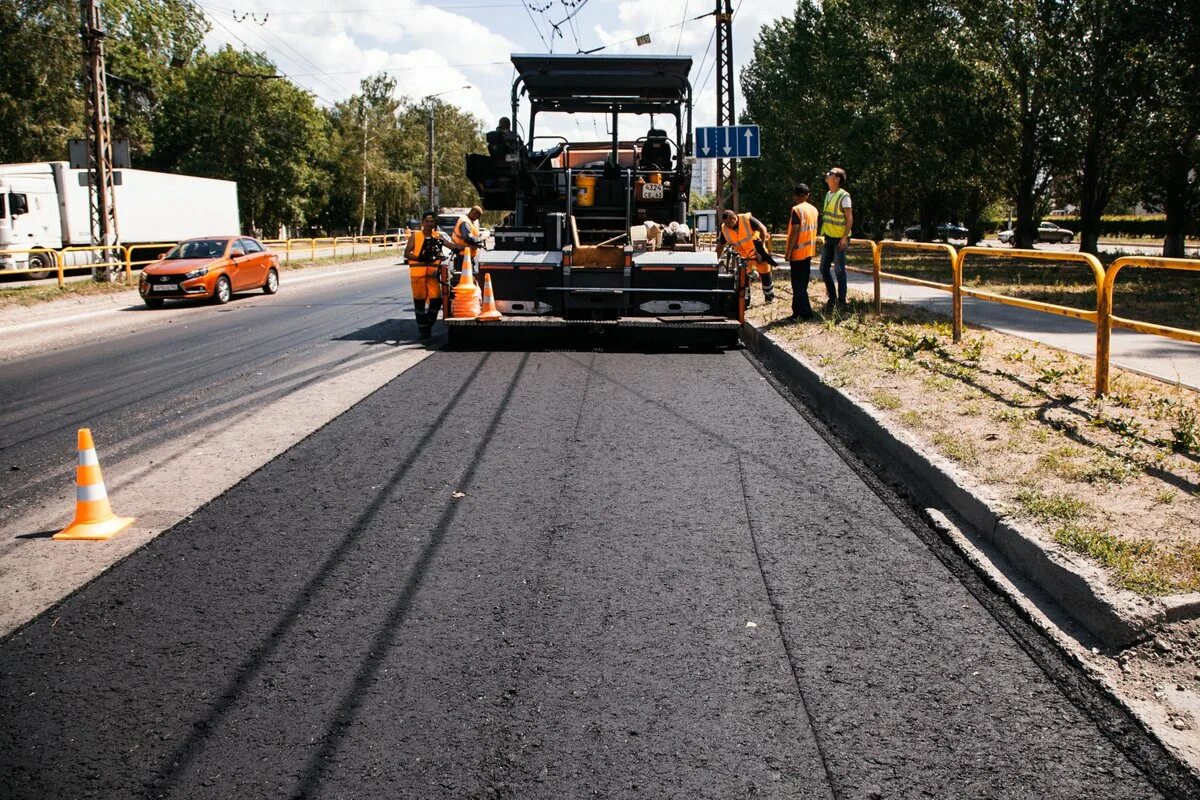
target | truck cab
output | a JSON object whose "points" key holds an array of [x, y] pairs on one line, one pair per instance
{"points": [[596, 229]]}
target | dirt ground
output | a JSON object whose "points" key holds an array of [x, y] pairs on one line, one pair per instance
{"points": [[1117, 479]]}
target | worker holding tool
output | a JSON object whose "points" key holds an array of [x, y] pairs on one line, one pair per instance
{"points": [[466, 236], [749, 238], [426, 262]]}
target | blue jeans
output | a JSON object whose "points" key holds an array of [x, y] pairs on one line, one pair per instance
{"points": [[832, 256]]}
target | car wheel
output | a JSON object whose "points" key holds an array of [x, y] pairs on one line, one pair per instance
{"points": [[223, 292], [272, 284], [1067, 239], [153, 302], [41, 266]]}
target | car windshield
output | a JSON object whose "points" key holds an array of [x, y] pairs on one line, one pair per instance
{"points": [[197, 248]]}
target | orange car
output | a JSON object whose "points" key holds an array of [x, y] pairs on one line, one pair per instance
{"points": [[212, 267]]}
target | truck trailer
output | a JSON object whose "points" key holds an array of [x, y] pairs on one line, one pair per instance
{"points": [[45, 206], [576, 250]]}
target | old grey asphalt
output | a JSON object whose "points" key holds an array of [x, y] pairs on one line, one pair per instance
{"points": [[547, 575]]}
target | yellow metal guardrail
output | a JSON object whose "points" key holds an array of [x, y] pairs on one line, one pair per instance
{"points": [[124, 255], [1108, 320]]}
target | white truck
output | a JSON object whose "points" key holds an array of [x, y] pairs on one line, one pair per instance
{"points": [[45, 205]]}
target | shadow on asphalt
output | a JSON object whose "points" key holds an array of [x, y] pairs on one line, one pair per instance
{"points": [[388, 331], [192, 746], [38, 535]]}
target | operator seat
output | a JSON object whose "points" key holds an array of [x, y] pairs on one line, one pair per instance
{"points": [[656, 152]]}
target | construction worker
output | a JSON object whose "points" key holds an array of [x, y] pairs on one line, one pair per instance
{"points": [[837, 218], [425, 263], [466, 236], [800, 249], [749, 238]]}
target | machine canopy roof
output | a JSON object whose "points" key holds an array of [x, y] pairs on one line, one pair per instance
{"points": [[581, 83]]}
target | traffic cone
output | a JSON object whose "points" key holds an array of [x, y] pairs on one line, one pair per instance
{"points": [[466, 294], [94, 517], [490, 312]]}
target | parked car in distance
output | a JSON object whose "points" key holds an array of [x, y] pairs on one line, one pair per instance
{"points": [[211, 267], [943, 232], [396, 236], [1046, 232]]}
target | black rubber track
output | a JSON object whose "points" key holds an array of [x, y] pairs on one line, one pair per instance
{"points": [[660, 581]]}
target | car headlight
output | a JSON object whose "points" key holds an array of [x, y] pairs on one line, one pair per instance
{"points": [[196, 273]]}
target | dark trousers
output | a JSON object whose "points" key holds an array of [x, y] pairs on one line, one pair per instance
{"points": [[831, 256], [801, 272]]}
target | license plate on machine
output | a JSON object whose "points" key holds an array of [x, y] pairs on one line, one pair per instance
{"points": [[166, 287], [652, 191]]}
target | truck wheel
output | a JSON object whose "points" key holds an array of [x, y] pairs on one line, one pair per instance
{"points": [[272, 284], [153, 302], [41, 266], [223, 293]]}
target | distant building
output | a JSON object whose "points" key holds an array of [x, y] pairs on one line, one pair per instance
{"points": [[704, 176]]}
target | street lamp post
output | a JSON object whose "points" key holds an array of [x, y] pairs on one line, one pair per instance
{"points": [[433, 199]]}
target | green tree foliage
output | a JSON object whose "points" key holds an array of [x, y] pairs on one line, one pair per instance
{"points": [[882, 90], [40, 106], [232, 117], [457, 133]]}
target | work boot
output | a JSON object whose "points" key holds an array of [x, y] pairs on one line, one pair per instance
{"points": [[425, 331], [828, 306]]}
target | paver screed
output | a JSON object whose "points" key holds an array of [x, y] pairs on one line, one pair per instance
{"points": [[543, 575]]}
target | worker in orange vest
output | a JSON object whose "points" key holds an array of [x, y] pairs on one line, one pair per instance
{"points": [[466, 236], [425, 264], [750, 239], [800, 249]]}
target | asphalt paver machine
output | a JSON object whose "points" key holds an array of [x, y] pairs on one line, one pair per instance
{"points": [[588, 241]]}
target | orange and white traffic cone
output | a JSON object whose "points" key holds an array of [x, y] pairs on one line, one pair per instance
{"points": [[94, 517], [466, 303], [490, 312]]}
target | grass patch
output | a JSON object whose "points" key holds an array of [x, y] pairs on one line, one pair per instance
{"points": [[882, 398], [1050, 507], [956, 447], [912, 419], [1139, 565], [31, 295]]}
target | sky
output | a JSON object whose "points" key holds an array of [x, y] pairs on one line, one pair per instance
{"points": [[435, 46]]}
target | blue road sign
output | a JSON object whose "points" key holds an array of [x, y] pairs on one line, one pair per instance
{"points": [[727, 141]]}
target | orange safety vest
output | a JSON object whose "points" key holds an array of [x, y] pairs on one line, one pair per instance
{"points": [[741, 240], [424, 276], [459, 238], [806, 231]]}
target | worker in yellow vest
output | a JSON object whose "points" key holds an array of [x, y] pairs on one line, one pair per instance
{"points": [[750, 239], [800, 249], [466, 236], [837, 219], [425, 259]]}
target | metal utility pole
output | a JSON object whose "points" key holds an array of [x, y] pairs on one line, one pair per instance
{"points": [[101, 198], [429, 161], [727, 183]]}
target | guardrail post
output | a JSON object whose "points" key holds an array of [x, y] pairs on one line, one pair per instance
{"points": [[313, 242], [1103, 338], [128, 263], [956, 300], [58, 259], [877, 267]]}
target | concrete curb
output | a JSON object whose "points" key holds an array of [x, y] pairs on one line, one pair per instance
{"points": [[1116, 617]]}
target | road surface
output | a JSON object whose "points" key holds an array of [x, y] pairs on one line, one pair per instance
{"points": [[544, 575]]}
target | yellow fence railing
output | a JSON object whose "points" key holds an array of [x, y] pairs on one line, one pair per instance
{"points": [[130, 257]]}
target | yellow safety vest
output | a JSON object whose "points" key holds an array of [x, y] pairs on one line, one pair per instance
{"points": [[806, 231], [833, 216], [741, 240]]}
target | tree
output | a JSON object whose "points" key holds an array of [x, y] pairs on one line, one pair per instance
{"points": [[233, 117], [457, 134], [40, 103]]}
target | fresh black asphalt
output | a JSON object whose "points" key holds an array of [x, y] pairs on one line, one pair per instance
{"points": [[545, 575]]}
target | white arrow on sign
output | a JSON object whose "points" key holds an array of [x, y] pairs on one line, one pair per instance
{"points": [[749, 139], [704, 141], [726, 141]]}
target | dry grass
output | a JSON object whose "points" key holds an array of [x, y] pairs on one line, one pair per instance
{"points": [[1116, 480]]}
